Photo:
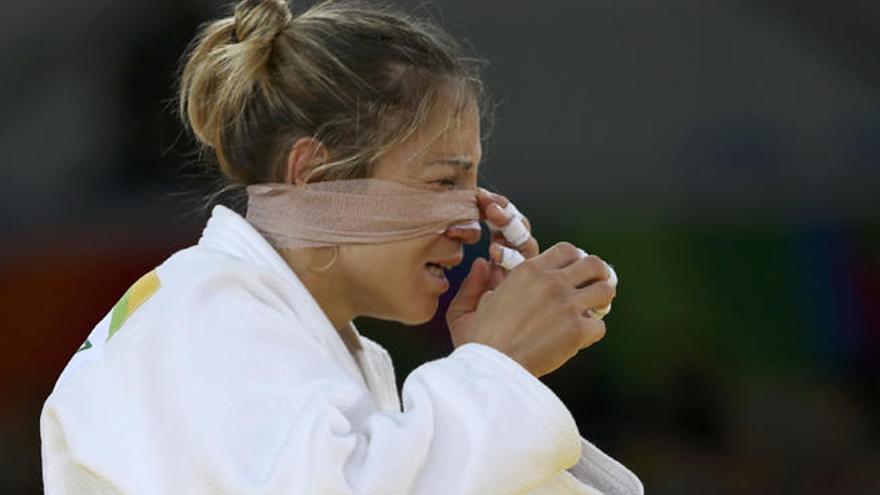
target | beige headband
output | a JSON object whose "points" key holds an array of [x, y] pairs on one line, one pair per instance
{"points": [[356, 211]]}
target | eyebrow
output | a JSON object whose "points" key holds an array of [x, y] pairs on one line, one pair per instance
{"points": [[461, 162]]}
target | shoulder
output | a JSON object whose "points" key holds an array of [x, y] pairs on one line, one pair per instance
{"points": [[199, 295], [198, 280], [204, 314]]}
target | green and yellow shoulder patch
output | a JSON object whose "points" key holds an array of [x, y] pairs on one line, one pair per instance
{"points": [[136, 295]]}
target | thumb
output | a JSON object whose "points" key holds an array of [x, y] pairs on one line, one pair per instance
{"points": [[472, 288]]}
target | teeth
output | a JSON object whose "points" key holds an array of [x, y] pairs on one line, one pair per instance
{"points": [[435, 270]]}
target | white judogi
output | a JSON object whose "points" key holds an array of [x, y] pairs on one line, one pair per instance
{"points": [[226, 377]]}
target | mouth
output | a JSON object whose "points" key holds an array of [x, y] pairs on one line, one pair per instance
{"points": [[437, 269]]}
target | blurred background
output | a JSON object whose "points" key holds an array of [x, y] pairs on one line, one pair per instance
{"points": [[724, 155]]}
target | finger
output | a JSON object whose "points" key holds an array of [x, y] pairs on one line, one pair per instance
{"points": [[596, 296], [559, 255], [496, 276], [599, 313], [593, 331], [487, 293], [505, 257], [496, 217], [586, 270], [511, 225], [485, 198], [612, 277], [530, 249], [499, 212], [471, 290], [508, 212]]}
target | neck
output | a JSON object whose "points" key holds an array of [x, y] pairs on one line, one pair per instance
{"points": [[325, 288]]}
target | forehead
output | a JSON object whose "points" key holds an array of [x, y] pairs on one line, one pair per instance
{"points": [[447, 135]]}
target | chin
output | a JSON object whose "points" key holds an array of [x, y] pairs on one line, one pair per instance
{"points": [[418, 313], [416, 321]]}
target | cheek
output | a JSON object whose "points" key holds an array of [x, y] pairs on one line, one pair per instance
{"points": [[398, 274], [404, 267], [391, 268]]}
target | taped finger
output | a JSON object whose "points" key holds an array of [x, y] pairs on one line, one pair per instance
{"points": [[612, 277], [510, 212], [612, 280], [515, 231], [510, 258]]}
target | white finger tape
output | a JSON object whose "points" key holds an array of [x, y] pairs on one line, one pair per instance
{"points": [[511, 211], [612, 280], [516, 232], [510, 258]]}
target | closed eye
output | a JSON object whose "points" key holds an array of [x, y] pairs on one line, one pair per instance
{"points": [[446, 182]]}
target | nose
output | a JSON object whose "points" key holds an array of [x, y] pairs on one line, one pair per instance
{"points": [[465, 235]]}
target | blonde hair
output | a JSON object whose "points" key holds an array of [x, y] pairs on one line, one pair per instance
{"points": [[359, 77]]}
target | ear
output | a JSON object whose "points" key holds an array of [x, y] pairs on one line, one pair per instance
{"points": [[305, 154]]}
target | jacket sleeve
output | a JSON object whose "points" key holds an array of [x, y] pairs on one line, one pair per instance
{"points": [[248, 401], [595, 473]]}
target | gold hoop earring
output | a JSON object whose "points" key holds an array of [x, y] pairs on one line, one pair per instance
{"points": [[332, 260]]}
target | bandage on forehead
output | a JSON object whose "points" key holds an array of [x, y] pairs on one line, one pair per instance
{"points": [[356, 211]]}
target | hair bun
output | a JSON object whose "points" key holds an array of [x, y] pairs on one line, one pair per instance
{"points": [[260, 18]]}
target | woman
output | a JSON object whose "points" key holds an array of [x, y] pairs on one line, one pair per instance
{"points": [[234, 366]]}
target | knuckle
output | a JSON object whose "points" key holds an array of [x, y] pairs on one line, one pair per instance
{"points": [[530, 268], [566, 248], [608, 291], [597, 265]]}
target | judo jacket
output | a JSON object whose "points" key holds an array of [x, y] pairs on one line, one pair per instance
{"points": [[218, 373]]}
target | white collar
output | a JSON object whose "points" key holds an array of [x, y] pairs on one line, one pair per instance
{"points": [[229, 233]]}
